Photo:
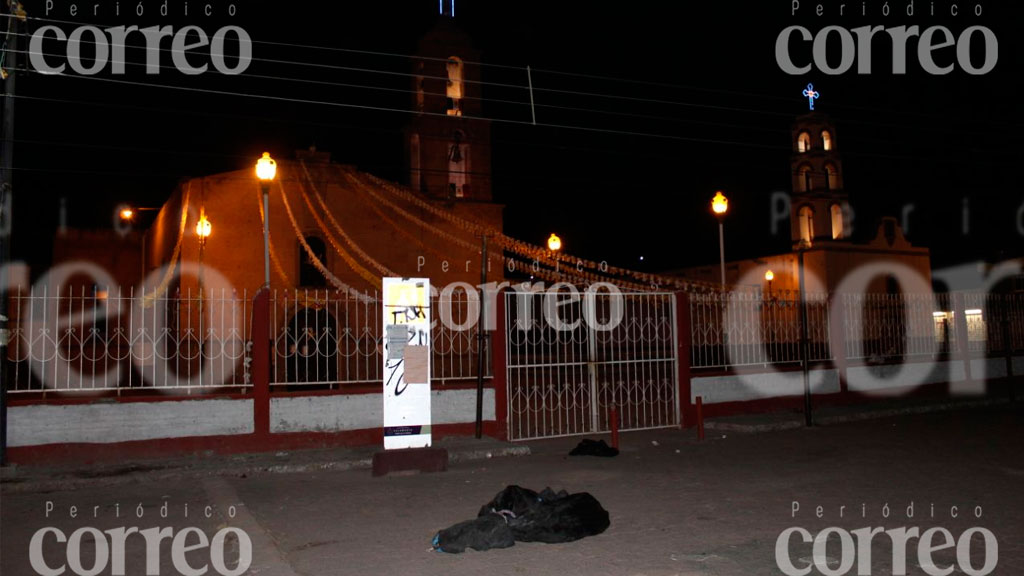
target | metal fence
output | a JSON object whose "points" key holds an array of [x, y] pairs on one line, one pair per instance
{"points": [[747, 329], [105, 340], [102, 340], [324, 338], [569, 363]]}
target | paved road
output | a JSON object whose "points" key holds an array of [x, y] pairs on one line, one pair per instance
{"points": [[677, 506]]}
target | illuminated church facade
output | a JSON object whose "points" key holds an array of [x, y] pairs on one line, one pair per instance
{"points": [[336, 228]]}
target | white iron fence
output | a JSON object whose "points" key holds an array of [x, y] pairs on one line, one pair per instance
{"points": [[745, 328], [99, 340], [324, 338], [569, 363], [748, 329]]}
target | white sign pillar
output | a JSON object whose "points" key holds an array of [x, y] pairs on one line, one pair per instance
{"points": [[406, 362]]}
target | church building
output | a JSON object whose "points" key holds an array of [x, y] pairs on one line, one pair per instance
{"points": [[819, 208], [334, 227]]}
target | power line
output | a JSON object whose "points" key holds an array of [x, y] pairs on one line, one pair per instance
{"points": [[589, 129], [521, 69], [515, 86], [504, 101], [428, 136]]}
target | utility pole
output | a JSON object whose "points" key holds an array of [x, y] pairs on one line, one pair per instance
{"points": [[481, 338], [805, 342], [10, 64]]}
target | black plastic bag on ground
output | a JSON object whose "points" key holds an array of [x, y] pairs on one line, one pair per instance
{"points": [[482, 533], [518, 513], [548, 516], [588, 447]]}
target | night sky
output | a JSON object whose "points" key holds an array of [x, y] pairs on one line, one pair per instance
{"points": [[678, 103]]}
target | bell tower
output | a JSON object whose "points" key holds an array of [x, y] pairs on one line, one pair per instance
{"points": [[819, 206], [448, 144]]}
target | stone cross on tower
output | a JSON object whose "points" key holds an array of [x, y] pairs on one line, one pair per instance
{"points": [[810, 93]]}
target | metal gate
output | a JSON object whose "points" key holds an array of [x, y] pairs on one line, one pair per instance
{"points": [[571, 358]]}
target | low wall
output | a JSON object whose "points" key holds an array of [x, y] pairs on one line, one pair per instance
{"points": [[337, 413], [747, 385], [113, 422], [109, 422]]}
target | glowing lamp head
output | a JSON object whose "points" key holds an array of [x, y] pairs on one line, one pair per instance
{"points": [[126, 213], [769, 276], [554, 242], [203, 227], [719, 204], [266, 168]]}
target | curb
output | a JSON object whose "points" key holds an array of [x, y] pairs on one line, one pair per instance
{"points": [[792, 424], [13, 481]]}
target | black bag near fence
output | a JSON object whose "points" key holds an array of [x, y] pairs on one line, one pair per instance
{"points": [[527, 516]]}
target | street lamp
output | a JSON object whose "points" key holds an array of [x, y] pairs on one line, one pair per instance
{"points": [[720, 205], [203, 230], [266, 169], [769, 276], [554, 242], [126, 213]]}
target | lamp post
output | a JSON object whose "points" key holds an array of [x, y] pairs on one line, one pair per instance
{"points": [[554, 245], [720, 205], [266, 170], [769, 276], [203, 230]]}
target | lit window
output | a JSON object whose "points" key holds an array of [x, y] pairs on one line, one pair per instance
{"points": [[805, 178], [831, 181], [837, 221], [826, 140], [806, 225], [803, 142], [458, 166], [454, 88]]}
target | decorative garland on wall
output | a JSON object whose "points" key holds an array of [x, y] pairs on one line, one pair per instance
{"points": [[539, 267], [149, 299], [605, 273], [348, 240], [338, 284]]}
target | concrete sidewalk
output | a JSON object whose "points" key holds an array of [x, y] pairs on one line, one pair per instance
{"points": [[678, 506]]}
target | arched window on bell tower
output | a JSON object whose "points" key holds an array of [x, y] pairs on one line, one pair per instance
{"points": [[415, 171], [831, 177], [454, 89], [837, 221], [458, 166], [419, 82], [803, 142], [806, 215], [805, 178], [826, 140]]}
